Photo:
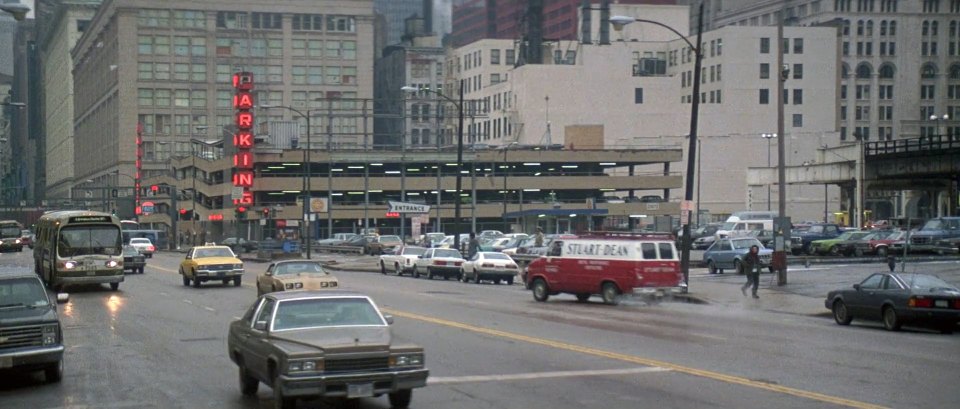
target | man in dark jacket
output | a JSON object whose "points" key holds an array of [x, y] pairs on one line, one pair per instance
{"points": [[474, 246], [751, 267]]}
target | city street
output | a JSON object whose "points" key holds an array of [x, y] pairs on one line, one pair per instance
{"points": [[157, 344]]}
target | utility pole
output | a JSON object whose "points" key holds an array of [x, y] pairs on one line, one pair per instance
{"points": [[780, 244]]}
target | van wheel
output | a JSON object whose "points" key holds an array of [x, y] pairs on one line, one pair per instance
{"points": [[114, 286], [583, 297], [610, 294], [540, 291]]}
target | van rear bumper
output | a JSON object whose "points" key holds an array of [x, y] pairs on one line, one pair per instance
{"points": [[679, 289]]}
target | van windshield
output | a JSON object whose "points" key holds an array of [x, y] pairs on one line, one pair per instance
{"points": [[85, 240], [12, 231]]}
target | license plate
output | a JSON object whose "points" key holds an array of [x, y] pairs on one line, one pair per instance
{"points": [[6, 362], [941, 304], [91, 272], [361, 390]]}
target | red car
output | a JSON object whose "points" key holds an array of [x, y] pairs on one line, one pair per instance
{"points": [[877, 243], [26, 238], [608, 264]]}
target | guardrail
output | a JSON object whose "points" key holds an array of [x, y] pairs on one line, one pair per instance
{"points": [[337, 249], [913, 145]]}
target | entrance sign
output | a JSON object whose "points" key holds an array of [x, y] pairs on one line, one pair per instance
{"points": [[401, 207]]}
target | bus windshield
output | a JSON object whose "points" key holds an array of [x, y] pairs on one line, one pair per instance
{"points": [[85, 240]]}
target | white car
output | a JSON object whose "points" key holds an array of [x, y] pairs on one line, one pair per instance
{"points": [[401, 261], [144, 246], [488, 265], [439, 262]]}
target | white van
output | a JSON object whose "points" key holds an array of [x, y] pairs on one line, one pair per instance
{"points": [[752, 215], [742, 228]]}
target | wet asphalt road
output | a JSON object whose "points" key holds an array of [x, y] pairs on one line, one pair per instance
{"points": [[158, 344]]}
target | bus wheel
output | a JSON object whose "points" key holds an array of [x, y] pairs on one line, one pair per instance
{"points": [[114, 286]]}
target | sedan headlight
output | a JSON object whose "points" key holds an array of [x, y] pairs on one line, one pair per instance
{"points": [[414, 360], [291, 286], [311, 365], [50, 335], [238, 266]]}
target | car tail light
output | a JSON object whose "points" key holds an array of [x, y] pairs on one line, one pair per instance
{"points": [[151, 248], [439, 263], [920, 302], [457, 263], [511, 266], [956, 304], [488, 265]]}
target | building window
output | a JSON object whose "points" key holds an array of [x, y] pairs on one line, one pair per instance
{"points": [[764, 96], [494, 79], [797, 120], [307, 22], [764, 71], [863, 92], [495, 57], [231, 19], [638, 95], [926, 92], [786, 97], [153, 18], [862, 113], [145, 97], [341, 24], [798, 97], [798, 46], [267, 21], [798, 71], [843, 112], [189, 19], [886, 92], [764, 45], [886, 113]]}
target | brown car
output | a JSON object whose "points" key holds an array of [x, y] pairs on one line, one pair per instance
{"points": [[323, 344], [288, 275], [382, 245]]}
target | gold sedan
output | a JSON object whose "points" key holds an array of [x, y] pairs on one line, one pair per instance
{"points": [[288, 275]]}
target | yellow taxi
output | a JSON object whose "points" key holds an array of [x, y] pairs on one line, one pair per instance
{"points": [[211, 263], [289, 275]]}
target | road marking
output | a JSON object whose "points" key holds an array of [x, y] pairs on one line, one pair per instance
{"points": [[444, 380], [188, 301], [165, 269], [718, 376], [209, 309], [164, 294]]}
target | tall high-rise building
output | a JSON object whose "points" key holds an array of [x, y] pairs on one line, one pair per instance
{"points": [[394, 13], [507, 19]]}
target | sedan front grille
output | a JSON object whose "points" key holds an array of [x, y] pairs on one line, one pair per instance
{"points": [[920, 240], [218, 267], [356, 365], [19, 337]]}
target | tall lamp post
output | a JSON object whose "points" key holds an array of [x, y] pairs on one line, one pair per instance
{"points": [[504, 168], [945, 117], [305, 236], [769, 137], [618, 23], [456, 203]]}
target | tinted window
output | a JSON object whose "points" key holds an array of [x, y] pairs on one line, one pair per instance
{"points": [[413, 251], [872, 282], [22, 292], [496, 256], [11, 231], [666, 250], [326, 312], [293, 268], [82, 240], [924, 282], [724, 245], [649, 251], [447, 253]]}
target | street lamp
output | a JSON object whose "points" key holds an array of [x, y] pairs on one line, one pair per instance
{"points": [[506, 223], [306, 176], [456, 203], [938, 119], [618, 23], [193, 195], [19, 11], [769, 137]]}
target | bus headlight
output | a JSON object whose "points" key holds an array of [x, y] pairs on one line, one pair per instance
{"points": [[70, 265], [112, 263]]}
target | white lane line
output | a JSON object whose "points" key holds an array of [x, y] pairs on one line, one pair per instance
{"points": [[188, 301], [236, 318], [443, 380], [164, 294], [209, 309]]}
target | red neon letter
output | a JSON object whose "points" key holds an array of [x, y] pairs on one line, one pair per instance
{"points": [[244, 120], [243, 140], [243, 160], [243, 100]]}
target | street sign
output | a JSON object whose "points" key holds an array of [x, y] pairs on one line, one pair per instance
{"points": [[653, 206], [686, 205], [401, 207], [236, 193], [684, 217], [318, 205]]}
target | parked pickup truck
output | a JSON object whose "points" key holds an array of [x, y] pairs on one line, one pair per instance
{"points": [[800, 242], [928, 238]]}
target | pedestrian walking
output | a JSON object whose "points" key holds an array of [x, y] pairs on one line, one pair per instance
{"points": [[891, 262], [473, 246], [538, 238], [751, 267]]}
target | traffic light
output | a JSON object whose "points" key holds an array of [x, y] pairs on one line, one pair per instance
{"points": [[266, 212], [183, 213], [241, 213]]}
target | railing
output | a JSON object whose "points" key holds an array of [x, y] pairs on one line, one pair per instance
{"points": [[921, 144], [338, 249]]}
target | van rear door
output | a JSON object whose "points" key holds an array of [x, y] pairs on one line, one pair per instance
{"points": [[660, 266]]}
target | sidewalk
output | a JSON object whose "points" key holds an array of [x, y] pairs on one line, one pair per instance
{"points": [[724, 290]]}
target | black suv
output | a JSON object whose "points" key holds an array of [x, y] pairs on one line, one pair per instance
{"points": [[31, 338]]}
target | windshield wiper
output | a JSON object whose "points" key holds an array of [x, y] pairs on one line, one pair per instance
{"points": [[12, 305]]}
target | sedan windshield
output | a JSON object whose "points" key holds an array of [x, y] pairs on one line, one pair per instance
{"points": [[389, 239], [414, 251], [746, 243], [294, 268], [926, 282], [325, 312], [213, 252], [447, 253]]}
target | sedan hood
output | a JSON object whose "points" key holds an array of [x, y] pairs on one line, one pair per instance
{"points": [[332, 339], [217, 260]]}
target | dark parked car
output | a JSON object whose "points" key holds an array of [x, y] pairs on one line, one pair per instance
{"points": [[898, 299], [800, 242], [31, 338], [245, 245], [133, 260], [330, 344]]}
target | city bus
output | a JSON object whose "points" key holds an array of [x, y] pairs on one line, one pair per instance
{"points": [[78, 247], [129, 225], [10, 233]]}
